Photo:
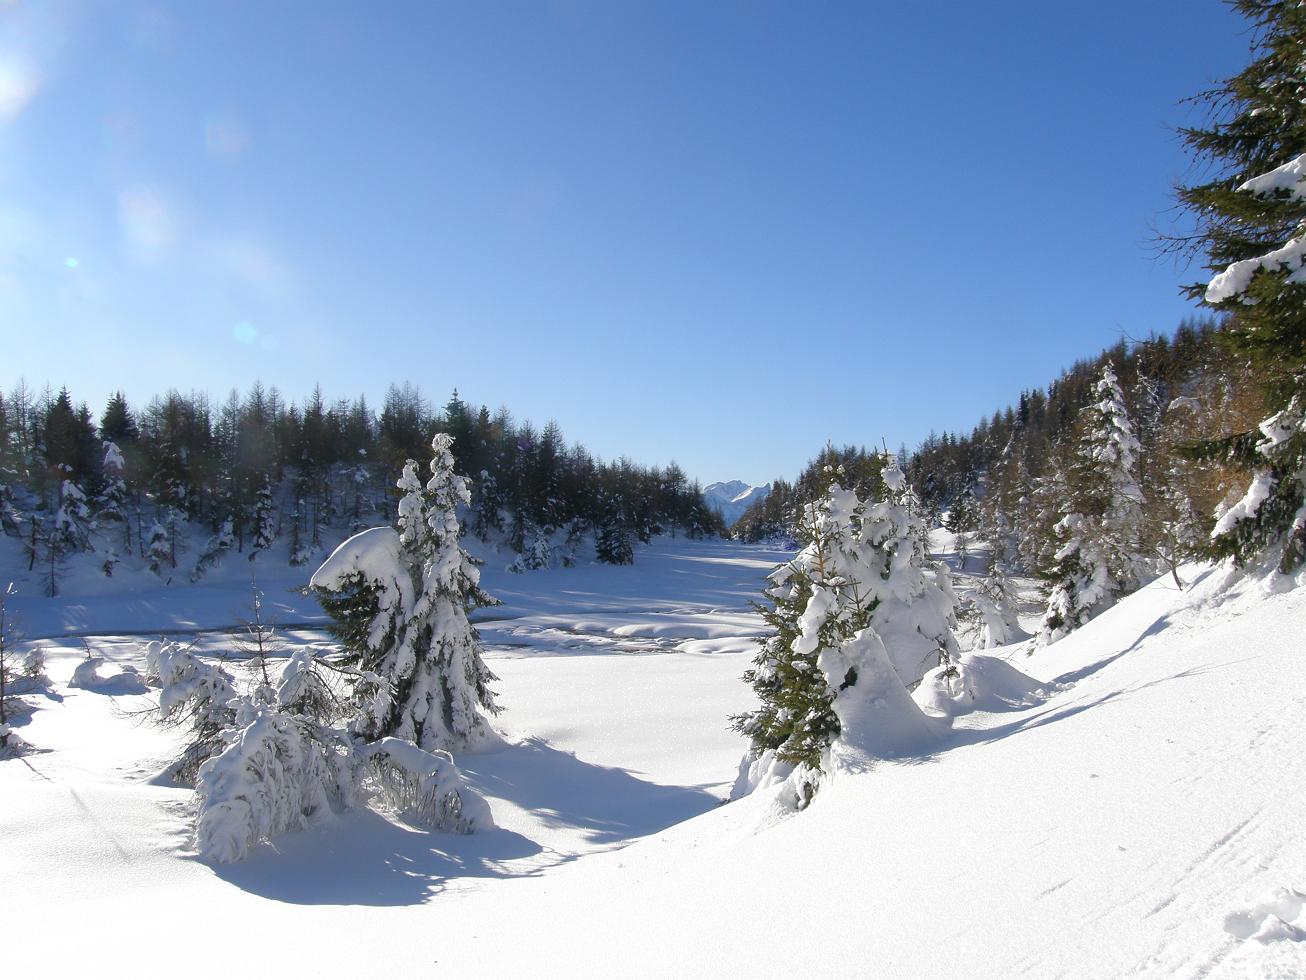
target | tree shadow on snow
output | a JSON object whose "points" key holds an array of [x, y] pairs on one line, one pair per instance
{"points": [[608, 805], [367, 858]]}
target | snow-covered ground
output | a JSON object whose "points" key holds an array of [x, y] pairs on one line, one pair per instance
{"points": [[1143, 817]]}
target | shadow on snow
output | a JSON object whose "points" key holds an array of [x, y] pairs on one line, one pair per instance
{"points": [[367, 858]]}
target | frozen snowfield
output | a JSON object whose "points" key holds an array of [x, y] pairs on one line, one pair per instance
{"points": [[1144, 817]]}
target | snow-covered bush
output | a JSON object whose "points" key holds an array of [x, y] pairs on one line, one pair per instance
{"points": [[427, 786], [87, 673], [268, 761], [196, 696], [275, 772]]}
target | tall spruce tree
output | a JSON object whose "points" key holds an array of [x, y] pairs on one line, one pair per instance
{"points": [[1251, 221], [400, 600], [1099, 555]]}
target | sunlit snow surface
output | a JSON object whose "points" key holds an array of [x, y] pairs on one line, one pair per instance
{"points": [[1144, 818]]}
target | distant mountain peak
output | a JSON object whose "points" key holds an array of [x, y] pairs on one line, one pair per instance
{"points": [[731, 498]]}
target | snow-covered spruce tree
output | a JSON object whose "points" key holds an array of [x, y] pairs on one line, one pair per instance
{"points": [[301, 549], [72, 519], [158, 550], [963, 520], [111, 501], [8, 669], [612, 541], [214, 548], [828, 680], [1251, 221], [400, 602], [264, 527], [11, 519], [1100, 555], [538, 553], [914, 606], [993, 606], [814, 603]]}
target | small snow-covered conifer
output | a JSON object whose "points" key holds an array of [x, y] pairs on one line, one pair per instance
{"points": [[158, 549], [216, 546], [72, 519], [111, 502], [195, 695], [612, 543], [264, 529], [994, 605], [538, 553], [914, 606]]}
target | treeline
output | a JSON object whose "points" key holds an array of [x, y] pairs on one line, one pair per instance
{"points": [[1010, 473], [257, 469]]}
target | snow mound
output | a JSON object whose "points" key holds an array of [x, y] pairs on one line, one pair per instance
{"points": [[86, 675], [979, 683], [877, 717], [1272, 920]]}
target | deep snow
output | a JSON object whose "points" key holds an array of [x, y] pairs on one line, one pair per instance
{"points": [[1142, 816]]}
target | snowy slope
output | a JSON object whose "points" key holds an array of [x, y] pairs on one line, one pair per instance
{"points": [[1144, 818], [731, 499]]}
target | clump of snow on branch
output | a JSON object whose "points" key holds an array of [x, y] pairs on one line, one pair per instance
{"points": [[1290, 178]]}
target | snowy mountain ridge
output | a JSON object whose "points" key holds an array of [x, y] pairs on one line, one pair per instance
{"points": [[732, 498]]}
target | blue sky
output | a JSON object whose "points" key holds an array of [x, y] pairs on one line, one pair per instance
{"points": [[716, 232]]}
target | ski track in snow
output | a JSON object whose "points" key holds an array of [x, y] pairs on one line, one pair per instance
{"points": [[1145, 819]]}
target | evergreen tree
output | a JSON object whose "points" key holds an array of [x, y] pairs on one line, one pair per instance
{"points": [[993, 607], [612, 545], [1251, 221], [158, 549], [117, 424], [216, 546], [112, 501], [1099, 557], [264, 523], [914, 607], [72, 519], [815, 603], [400, 601]]}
